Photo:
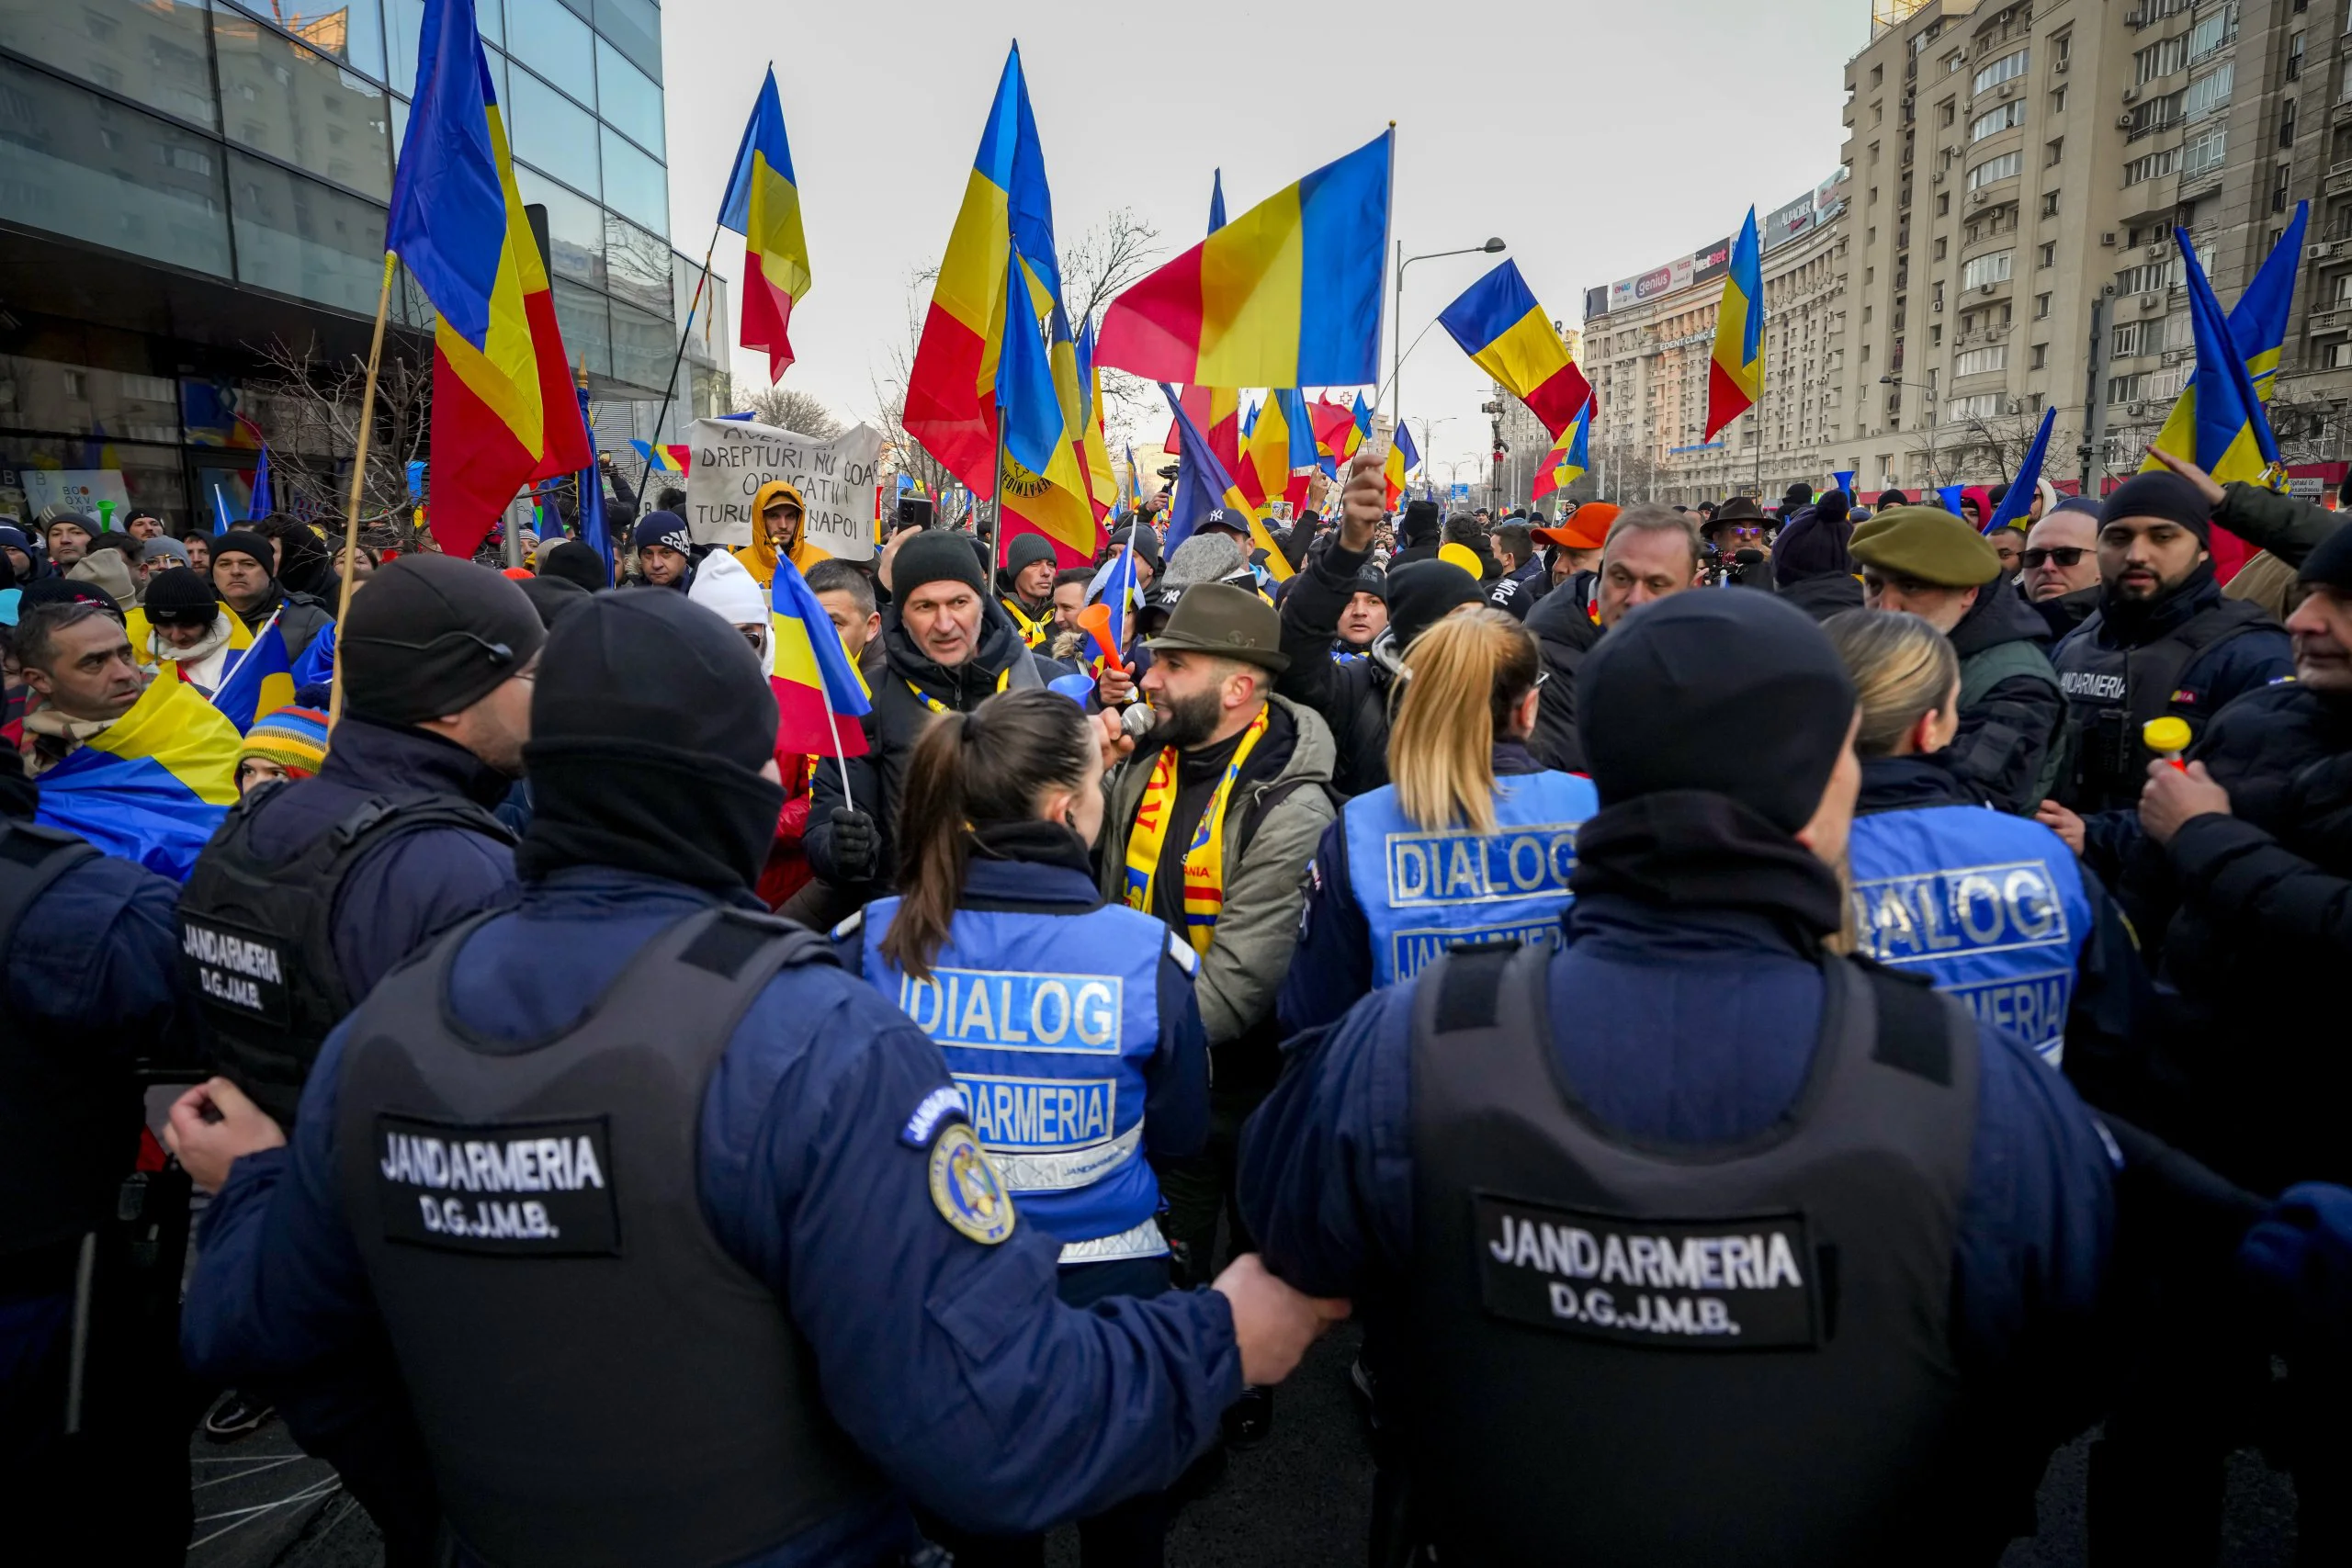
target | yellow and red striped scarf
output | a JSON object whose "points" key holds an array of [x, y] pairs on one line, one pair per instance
{"points": [[1204, 860]]}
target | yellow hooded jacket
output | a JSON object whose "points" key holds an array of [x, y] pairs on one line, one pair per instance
{"points": [[759, 556]]}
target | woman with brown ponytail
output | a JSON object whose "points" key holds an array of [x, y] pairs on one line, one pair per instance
{"points": [[1070, 1024], [1473, 841]]}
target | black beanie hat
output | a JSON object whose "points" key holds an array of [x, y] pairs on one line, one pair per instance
{"points": [[1424, 593], [575, 563], [1887, 498], [432, 635], [1737, 695], [2330, 562], [2164, 495], [180, 596], [552, 596], [68, 591], [1799, 494], [245, 542], [935, 555], [650, 725], [1024, 551], [1833, 506], [664, 528], [1143, 538], [1421, 525]]}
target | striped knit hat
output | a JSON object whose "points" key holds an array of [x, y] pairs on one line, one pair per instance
{"points": [[294, 738]]}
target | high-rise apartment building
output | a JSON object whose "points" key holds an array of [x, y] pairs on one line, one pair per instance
{"points": [[184, 181], [2014, 164]]}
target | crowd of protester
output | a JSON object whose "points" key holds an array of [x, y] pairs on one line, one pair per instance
{"points": [[2063, 770]]}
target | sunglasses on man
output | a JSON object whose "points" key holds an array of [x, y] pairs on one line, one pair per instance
{"points": [[2064, 555]]}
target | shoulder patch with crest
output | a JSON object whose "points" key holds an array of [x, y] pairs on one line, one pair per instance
{"points": [[940, 1106], [966, 1188]]}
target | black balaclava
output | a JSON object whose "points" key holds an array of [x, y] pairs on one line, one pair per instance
{"points": [[649, 727]]}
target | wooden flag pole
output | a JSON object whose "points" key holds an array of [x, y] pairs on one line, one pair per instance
{"points": [[359, 477]]}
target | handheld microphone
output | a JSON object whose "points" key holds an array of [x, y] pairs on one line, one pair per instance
{"points": [[1137, 720]]}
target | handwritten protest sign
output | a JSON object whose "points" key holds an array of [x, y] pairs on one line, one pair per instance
{"points": [[734, 457]]}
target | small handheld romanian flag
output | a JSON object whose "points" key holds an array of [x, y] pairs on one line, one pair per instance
{"points": [[261, 682], [817, 687]]}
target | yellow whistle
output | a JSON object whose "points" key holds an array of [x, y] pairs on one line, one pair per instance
{"points": [[2167, 738]]}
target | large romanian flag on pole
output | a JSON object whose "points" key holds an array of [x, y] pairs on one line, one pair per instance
{"points": [[1503, 329], [503, 413], [1735, 379], [1286, 295], [952, 393], [762, 204]]}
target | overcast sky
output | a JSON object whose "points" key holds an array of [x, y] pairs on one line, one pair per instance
{"points": [[1598, 140]]}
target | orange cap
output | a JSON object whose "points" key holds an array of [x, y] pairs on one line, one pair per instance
{"points": [[1585, 528]]}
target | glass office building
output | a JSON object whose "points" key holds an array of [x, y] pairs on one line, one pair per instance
{"points": [[183, 181]]}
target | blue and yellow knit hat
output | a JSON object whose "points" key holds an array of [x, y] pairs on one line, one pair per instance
{"points": [[294, 738]]}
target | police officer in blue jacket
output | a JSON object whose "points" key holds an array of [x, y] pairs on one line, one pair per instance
{"points": [[1471, 840], [1996, 910], [1069, 1023], [702, 1262], [1770, 1255], [93, 1423]]}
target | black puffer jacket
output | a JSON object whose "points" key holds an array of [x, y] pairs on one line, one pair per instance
{"points": [[2261, 902], [1352, 699], [2012, 711], [898, 716], [1565, 632]]}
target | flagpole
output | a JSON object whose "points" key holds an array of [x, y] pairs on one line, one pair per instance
{"points": [[685, 330], [358, 475]]}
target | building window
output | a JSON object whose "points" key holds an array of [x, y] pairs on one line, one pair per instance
{"points": [[2278, 190], [2040, 307], [1939, 250], [1934, 337], [2214, 32], [154, 191], [2295, 55], [1990, 171], [2212, 91], [2050, 204], [1878, 74], [2150, 165], [2148, 277], [2052, 152], [2006, 69], [1985, 405], [1946, 114], [1943, 205], [1992, 268], [2040, 352], [2062, 46], [2160, 58], [2286, 124], [2154, 115], [1977, 361], [2204, 152], [2006, 117]]}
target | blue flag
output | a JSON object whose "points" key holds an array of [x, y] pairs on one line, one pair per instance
{"points": [[219, 513], [2019, 499], [260, 506], [2233, 434], [1202, 483]]}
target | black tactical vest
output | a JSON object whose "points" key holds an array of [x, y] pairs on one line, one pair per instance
{"points": [[597, 1381], [2112, 691], [1623, 1352], [258, 937], [69, 1127]]}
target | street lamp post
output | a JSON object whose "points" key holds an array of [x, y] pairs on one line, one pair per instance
{"points": [[1934, 474], [1397, 342]]}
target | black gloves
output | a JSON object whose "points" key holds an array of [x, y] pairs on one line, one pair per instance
{"points": [[854, 846]]}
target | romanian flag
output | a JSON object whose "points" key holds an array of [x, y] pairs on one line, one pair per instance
{"points": [[2018, 499], [1402, 460], [1094, 450], [261, 682], [762, 204], [1206, 493], [1565, 463], [670, 458], [1281, 443], [1216, 201], [503, 413], [816, 685], [1288, 294], [1359, 426], [152, 786], [1736, 378], [260, 504], [2233, 439], [2259, 327], [1506, 334], [1335, 423]]}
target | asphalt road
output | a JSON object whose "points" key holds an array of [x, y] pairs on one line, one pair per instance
{"points": [[1298, 1500]]}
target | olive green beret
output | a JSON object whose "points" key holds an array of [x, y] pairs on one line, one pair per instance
{"points": [[1928, 544]]}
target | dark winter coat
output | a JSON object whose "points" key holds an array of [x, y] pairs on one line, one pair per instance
{"points": [[1565, 632], [2012, 710], [1352, 699]]}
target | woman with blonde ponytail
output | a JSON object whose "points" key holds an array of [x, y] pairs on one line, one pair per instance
{"points": [[1070, 1024], [1472, 840], [1993, 908]]}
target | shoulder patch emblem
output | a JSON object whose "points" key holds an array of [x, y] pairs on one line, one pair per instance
{"points": [[1182, 952], [939, 1106], [850, 926], [966, 1188]]}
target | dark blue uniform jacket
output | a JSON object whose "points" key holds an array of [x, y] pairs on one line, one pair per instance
{"points": [[951, 1364]]}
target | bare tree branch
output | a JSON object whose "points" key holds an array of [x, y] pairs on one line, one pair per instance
{"points": [[308, 410], [788, 408]]}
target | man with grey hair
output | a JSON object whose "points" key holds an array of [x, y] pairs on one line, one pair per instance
{"points": [[1652, 551]]}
